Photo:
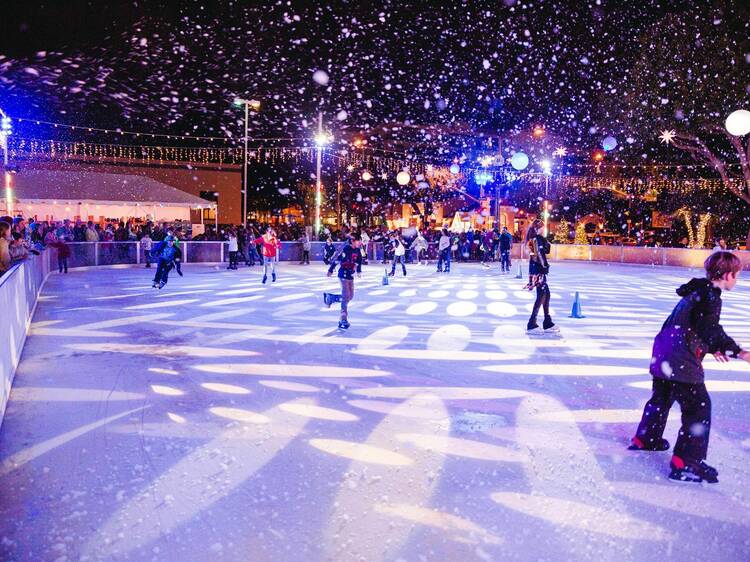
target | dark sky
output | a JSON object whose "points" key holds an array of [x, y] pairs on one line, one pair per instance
{"points": [[174, 66]]}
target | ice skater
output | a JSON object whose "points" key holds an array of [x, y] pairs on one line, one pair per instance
{"points": [[506, 243], [486, 248], [365, 240], [539, 247], [687, 336], [63, 253], [444, 252], [271, 246], [328, 251], [305, 240], [419, 246], [234, 248], [147, 245], [177, 253], [399, 254], [165, 252], [349, 260]]}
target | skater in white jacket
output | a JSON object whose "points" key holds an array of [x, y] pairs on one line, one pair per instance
{"points": [[420, 246]]}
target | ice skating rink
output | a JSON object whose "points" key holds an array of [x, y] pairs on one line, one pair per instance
{"points": [[219, 419]]}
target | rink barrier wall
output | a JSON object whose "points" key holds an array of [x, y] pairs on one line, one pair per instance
{"points": [[21, 285], [87, 254], [20, 288]]}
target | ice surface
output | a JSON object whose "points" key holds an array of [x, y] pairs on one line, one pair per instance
{"points": [[222, 419]]}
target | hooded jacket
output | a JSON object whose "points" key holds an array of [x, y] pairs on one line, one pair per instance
{"points": [[538, 247], [690, 332]]}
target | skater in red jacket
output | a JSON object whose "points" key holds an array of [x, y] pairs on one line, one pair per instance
{"points": [[271, 246], [690, 332]]}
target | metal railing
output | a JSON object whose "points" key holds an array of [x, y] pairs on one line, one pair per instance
{"points": [[89, 254]]}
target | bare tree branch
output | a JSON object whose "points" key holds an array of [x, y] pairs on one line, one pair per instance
{"points": [[700, 152]]}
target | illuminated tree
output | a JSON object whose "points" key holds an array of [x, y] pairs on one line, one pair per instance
{"points": [[581, 237], [562, 232]]}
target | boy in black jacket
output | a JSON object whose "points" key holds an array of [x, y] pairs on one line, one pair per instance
{"points": [[690, 332], [349, 261]]}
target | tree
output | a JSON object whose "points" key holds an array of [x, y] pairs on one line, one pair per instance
{"points": [[691, 73], [581, 237], [562, 232]]}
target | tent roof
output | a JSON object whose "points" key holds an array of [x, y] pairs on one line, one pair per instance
{"points": [[75, 186]]}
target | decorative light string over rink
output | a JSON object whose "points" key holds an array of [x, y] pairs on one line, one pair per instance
{"points": [[42, 149]]}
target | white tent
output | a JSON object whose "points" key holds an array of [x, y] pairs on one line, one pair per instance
{"points": [[57, 195]]}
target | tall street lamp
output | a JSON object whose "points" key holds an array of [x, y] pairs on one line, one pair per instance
{"points": [[255, 106], [321, 139], [5, 130], [547, 167]]}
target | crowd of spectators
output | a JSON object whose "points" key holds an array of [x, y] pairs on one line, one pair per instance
{"points": [[19, 237]]}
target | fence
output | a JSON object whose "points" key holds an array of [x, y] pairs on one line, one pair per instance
{"points": [[87, 254], [19, 291]]}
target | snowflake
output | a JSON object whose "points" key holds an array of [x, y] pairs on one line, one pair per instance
{"points": [[667, 135]]}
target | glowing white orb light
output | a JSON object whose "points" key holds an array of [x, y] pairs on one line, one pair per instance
{"points": [[455, 169], [519, 161], [367, 176], [738, 122], [403, 177], [609, 143]]}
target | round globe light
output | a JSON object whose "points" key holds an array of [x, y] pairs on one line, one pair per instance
{"points": [[738, 122], [519, 161], [609, 143], [403, 177], [367, 176], [455, 169]]}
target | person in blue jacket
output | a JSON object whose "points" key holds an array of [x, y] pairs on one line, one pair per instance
{"points": [[165, 252], [349, 260]]}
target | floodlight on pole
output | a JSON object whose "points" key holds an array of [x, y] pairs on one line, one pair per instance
{"points": [[255, 106], [321, 139]]}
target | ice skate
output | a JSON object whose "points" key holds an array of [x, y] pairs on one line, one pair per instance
{"points": [[684, 470], [637, 444], [553, 329], [343, 325], [328, 299], [534, 330], [265, 278], [273, 278]]}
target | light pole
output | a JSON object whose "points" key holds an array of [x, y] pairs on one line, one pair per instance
{"points": [[547, 167], [5, 130], [254, 105], [321, 139]]}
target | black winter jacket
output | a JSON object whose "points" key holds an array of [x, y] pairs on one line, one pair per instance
{"points": [[506, 242], [690, 332], [538, 248]]}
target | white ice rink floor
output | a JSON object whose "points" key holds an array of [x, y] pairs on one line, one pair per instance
{"points": [[219, 419]]}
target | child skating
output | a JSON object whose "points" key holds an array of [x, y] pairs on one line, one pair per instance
{"points": [[539, 247], [271, 246], [399, 254], [349, 260], [690, 332]]}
